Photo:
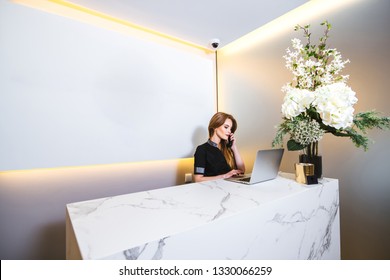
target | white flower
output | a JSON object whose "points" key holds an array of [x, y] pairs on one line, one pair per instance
{"points": [[296, 43], [334, 103], [307, 132], [318, 100], [311, 71], [326, 79], [296, 101], [311, 63]]}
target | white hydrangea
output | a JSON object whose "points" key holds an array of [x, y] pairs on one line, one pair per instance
{"points": [[334, 103], [296, 101]]}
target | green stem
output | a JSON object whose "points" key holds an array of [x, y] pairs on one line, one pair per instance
{"points": [[312, 149]]}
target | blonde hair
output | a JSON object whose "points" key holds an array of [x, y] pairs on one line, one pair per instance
{"points": [[216, 121]]}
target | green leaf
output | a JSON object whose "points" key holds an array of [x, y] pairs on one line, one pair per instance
{"points": [[294, 146], [313, 114], [370, 120]]}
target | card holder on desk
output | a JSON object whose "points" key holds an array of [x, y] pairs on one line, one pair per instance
{"points": [[311, 180]]}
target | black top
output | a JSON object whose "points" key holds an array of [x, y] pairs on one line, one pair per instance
{"points": [[209, 160]]}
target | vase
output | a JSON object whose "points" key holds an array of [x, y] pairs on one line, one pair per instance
{"points": [[310, 155]]}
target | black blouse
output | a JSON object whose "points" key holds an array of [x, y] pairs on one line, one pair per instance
{"points": [[209, 160]]}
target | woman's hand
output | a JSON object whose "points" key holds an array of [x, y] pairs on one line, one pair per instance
{"points": [[237, 157], [232, 173], [200, 178], [232, 139]]}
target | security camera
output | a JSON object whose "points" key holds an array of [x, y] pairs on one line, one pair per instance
{"points": [[214, 43]]}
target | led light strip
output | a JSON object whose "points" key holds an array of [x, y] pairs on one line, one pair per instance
{"points": [[285, 23], [186, 161], [41, 4]]}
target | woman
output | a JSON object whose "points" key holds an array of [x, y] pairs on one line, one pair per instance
{"points": [[218, 158]]}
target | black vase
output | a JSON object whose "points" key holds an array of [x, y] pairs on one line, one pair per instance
{"points": [[316, 160]]}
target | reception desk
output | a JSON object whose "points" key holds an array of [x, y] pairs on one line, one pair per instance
{"points": [[277, 219]]}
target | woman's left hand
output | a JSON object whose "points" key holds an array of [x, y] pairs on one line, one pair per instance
{"points": [[232, 140], [237, 157]]}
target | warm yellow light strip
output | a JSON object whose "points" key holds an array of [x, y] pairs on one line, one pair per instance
{"points": [[56, 4], [311, 9], [103, 165]]}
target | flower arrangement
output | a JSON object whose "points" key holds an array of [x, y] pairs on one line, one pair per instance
{"points": [[318, 100]]}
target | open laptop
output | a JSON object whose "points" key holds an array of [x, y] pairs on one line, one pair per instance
{"points": [[266, 167]]}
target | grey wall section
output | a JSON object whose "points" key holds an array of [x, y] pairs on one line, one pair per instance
{"points": [[33, 203], [250, 84]]}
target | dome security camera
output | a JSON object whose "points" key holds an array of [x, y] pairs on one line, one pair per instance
{"points": [[214, 43]]}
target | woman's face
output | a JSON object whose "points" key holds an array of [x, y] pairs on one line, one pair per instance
{"points": [[224, 131]]}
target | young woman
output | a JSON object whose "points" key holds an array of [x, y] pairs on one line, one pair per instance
{"points": [[218, 158]]}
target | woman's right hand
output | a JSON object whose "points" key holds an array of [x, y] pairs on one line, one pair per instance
{"points": [[200, 178], [232, 173]]}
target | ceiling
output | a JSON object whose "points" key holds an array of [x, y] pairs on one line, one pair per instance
{"points": [[196, 21]]}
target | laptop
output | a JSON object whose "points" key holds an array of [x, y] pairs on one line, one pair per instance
{"points": [[266, 167]]}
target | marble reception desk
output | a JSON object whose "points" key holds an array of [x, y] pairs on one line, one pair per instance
{"points": [[278, 219]]}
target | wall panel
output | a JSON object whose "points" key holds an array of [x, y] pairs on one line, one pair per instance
{"points": [[74, 94]]}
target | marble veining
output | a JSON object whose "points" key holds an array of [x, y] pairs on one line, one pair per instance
{"points": [[322, 242], [278, 219], [134, 253]]}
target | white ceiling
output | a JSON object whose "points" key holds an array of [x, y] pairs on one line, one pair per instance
{"points": [[196, 21]]}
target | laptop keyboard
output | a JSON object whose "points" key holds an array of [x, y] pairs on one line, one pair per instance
{"points": [[247, 179]]}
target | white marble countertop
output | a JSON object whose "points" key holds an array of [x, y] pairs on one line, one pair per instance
{"points": [[108, 225]]}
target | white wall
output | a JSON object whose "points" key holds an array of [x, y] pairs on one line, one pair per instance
{"points": [[250, 81], [75, 94]]}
